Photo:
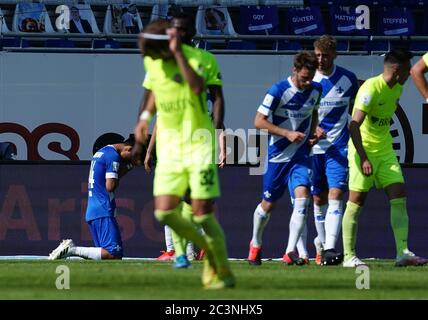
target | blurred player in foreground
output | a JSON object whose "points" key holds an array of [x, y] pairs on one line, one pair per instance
{"points": [[418, 74], [176, 245], [293, 104], [185, 145], [372, 160], [108, 165]]}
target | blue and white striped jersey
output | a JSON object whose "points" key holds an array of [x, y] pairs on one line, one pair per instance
{"points": [[338, 90], [291, 109], [104, 165]]}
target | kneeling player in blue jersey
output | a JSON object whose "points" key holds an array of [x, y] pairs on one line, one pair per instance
{"points": [[108, 165]]}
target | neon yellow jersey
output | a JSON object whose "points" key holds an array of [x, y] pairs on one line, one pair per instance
{"points": [[425, 57], [379, 101], [185, 133]]}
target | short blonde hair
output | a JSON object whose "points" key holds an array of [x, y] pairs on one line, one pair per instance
{"points": [[325, 43]]}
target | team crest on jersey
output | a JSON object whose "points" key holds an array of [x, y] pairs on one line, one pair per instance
{"points": [[116, 166], [177, 78], [268, 100], [365, 99]]}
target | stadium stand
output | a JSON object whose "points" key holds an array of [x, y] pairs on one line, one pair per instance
{"points": [[221, 25]]}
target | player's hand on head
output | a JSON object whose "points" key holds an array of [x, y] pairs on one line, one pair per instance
{"points": [[174, 40], [366, 167]]}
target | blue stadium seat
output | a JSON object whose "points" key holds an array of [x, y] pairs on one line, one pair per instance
{"points": [[258, 20], [14, 43], [59, 43], [304, 21], [289, 45], [377, 46], [106, 44], [396, 22], [379, 3], [318, 2], [342, 46], [412, 3], [202, 44], [421, 46], [241, 45], [342, 21]]}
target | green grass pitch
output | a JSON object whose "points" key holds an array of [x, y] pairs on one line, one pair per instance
{"points": [[138, 279]]}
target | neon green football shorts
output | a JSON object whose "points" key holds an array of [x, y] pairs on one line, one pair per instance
{"points": [[176, 180], [386, 171]]}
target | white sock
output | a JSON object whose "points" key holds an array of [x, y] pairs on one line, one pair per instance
{"points": [[319, 216], [333, 222], [190, 249], [168, 239], [260, 219], [302, 243], [297, 222], [86, 252]]}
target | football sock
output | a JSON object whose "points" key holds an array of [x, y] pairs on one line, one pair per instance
{"points": [[86, 252], [180, 243], [302, 243], [333, 222], [297, 222], [214, 237], [350, 227], [181, 226], [319, 217], [260, 219], [168, 239], [400, 224]]}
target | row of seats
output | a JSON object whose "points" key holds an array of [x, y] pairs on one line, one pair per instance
{"points": [[322, 17], [216, 20]]}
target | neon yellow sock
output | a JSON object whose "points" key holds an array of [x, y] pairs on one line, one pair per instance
{"points": [[181, 226], [216, 241], [180, 243], [400, 224], [350, 228]]}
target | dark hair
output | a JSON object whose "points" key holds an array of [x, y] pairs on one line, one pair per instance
{"points": [[306, 59], [190, 23], [156, 48], [398, 56], [130, 141]]}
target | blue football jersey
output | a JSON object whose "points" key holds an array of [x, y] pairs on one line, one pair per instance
{"points": [[105, 164], [291, 109], [338, 90]]}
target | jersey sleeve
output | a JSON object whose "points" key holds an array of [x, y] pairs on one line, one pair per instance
{"points": [[112, 167], [425, 58], [147, 81], [270, 102], [213, 72], [366, 97]]}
